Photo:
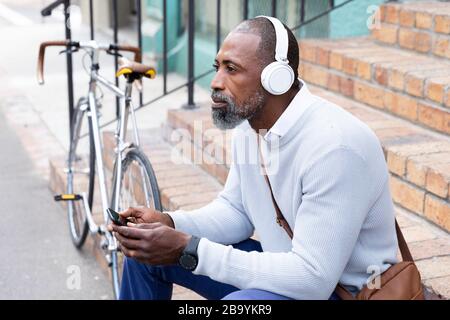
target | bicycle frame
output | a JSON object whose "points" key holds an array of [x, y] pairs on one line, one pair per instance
{"points": [[91, 107]]}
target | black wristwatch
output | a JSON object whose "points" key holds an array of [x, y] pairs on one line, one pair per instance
{"points": [[189, 258]]}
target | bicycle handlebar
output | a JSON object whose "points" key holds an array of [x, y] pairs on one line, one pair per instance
{"points": [[41, 56], [88, 45]]}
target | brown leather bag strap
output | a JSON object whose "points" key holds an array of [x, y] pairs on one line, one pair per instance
{"points": [[280, 218], [406, 254]]}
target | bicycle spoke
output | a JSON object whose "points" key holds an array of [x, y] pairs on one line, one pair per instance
{"points": [[136, 189], [146, 193]]}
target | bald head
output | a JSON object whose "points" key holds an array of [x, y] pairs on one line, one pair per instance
{"points": [[266, 49]]}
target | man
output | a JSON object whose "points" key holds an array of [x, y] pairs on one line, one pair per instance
{"points": [[329, 179]]}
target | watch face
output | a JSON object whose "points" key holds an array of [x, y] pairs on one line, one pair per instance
{"points": [[188, 261]]}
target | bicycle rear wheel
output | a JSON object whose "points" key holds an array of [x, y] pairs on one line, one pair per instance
{"points": [[80, 176], [138, 187]]}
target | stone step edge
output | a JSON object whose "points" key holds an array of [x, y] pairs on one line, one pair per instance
{"points": [[425, 114]]}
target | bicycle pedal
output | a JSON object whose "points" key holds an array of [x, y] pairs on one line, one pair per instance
{"points": [[68, 197]]}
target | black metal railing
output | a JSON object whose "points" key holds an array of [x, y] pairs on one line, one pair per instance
{"points": [[91, 19], [191, 78], [47, 11], [191, 54]]}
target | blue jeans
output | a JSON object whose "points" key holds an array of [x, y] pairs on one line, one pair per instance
{"points": [[145, 282]]}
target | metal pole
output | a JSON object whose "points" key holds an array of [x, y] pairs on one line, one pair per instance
{"points": [[69, 65], [191, 58], [165, 46], [139, 22], [218, 25], [91, 18], [274, 8], [116, 58], [245, 9], [302, 11]]}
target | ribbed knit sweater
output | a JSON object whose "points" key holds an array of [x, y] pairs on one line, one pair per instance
{"points": [[331, 182]]}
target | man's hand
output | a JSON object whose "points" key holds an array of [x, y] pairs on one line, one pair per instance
{"points": [[146, 215], [151, 243]]}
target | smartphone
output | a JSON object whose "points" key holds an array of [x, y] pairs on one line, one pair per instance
{"points": [[116, 218]]}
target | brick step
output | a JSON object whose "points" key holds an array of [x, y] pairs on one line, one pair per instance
{"points": [[181, 182], [419, 161], [191, 132], [181, 185], [406, 84], [421, 26]]}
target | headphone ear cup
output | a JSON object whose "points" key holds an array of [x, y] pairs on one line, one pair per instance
{"points": [[277, 78]]}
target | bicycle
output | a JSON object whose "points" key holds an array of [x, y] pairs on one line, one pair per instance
{"points": [[133, 179]]}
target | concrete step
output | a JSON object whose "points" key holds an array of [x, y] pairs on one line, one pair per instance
{"points": [[408, 85], [419, 161], [421, 26]]}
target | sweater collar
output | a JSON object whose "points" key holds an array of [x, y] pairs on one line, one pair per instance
{"points": [[296, 109]]}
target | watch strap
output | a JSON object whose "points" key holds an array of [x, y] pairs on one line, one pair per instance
{"points": [[192, 246]]}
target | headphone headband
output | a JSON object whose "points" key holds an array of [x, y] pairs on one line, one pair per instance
{"points": [[282, 46]]}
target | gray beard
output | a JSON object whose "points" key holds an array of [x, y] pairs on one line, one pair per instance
{"points": [[233, 115]]}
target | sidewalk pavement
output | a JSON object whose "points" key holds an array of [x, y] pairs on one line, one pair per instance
{"points": [[36, 262]]}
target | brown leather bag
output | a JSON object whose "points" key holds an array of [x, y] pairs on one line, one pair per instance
{"points": [[400, 282]]}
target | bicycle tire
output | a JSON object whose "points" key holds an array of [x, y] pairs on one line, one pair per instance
{"points": [[133, 155], [78, 224]]}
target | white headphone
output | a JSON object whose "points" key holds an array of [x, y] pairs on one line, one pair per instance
{"points": [[278, 77]]}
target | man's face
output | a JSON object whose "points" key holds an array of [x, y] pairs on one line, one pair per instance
{"points": [[237, 92]]}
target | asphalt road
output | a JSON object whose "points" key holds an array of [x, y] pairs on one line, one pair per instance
{"points": [[38, 260]]}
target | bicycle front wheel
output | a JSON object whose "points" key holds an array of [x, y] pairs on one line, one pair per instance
{"points": [[138, 185], [80, 175], [138, 188]]}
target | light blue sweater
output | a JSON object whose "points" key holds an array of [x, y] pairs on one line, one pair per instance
{"points": [[330, 180]]}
